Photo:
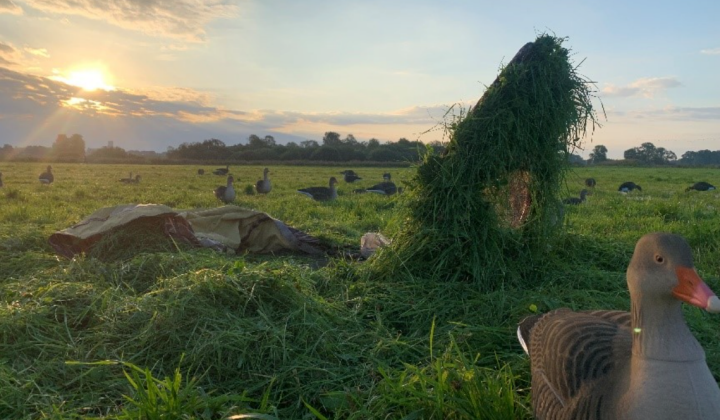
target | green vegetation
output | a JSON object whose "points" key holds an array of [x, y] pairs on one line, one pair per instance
{"points": [[491, 197], [190, 333]]}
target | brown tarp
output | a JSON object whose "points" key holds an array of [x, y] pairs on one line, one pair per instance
{"points": [[223, 228]]}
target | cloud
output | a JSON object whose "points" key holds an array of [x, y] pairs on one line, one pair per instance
{"points": [[711, 51], [183, 19], [34, 109], [7, 6], [41, 52], [645, 87], [9, 56]]}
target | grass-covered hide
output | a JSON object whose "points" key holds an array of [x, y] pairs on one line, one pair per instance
{"points": [[487, 207]]}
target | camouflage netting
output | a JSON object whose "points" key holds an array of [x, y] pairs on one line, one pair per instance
{"points": [[487, 206]]}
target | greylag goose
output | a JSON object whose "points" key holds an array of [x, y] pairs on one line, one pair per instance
{"points": [[386, 188], [350, 176], [47, 177], [700, 186], [322, 193], [629, 186], [263, 185], [590, 182], [226, 193], [222, 171], [575, 200], [127, 180], [642, 364]]}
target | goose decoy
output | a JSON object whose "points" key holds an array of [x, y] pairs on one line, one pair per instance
{"points": [[575, 200], [222, 171], [629, 186], [642, 364], [1, 183], [263, 185], [386, 188], [226, 193], [201, 171], [350, 176], [47, 176], [322, 193], [136, 180], [127, 180], [700, 186], [590, 182]]}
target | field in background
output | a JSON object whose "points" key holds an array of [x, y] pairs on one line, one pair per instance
{"points": [[282, 337]]}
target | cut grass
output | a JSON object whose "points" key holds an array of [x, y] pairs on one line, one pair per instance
{"points": [[274, 335]]}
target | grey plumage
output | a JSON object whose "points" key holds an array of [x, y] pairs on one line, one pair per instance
{"points": [[47, 177], [263, 186], [574, 201], [700, 186], [226, 193], [322, 193], [642, 364], [629, 186]]}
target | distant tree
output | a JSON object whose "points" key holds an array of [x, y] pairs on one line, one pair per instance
{"points": [[350, 140], [384, 154], [331, 138], [373, 143], [599, 154], [269, 140], [309, 144], [326, 153], [6, 151], [701, 157], [648, 153], [69, 149]]}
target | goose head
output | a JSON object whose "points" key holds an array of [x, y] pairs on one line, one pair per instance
{"points": [[662, 270]]}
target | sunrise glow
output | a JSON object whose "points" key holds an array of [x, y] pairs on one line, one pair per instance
{"points": [[87, 79]]}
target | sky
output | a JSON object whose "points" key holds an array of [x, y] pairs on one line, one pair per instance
{"points": [[152, 74]]}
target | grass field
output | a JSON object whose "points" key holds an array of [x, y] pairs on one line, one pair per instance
{"points": [[178, 333]]}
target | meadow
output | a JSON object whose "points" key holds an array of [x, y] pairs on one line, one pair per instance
{"points": [[173, 332]]}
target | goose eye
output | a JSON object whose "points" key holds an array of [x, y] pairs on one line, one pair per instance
{"points": [[659, 259]]}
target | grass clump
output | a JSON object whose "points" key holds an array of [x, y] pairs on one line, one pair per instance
{"points": [[492, 198]]}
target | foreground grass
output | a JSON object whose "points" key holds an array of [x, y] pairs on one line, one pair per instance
{"points": [[192, 333]]}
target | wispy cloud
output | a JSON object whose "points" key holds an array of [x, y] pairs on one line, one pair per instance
{"points": [[41, 52], [711, 51], [184, 19], [7, 6], [9, 56], [645, 87]]}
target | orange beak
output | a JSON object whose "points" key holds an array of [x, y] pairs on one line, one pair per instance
{"points": [[693, 290]]}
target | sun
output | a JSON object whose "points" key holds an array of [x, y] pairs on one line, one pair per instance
{"points": [[87, 79]]}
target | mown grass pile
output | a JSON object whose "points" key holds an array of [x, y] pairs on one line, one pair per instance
{"points": [[513, 143]]}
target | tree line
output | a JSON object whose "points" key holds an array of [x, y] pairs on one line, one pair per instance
{"points": [[648, 154], [332, 149]]}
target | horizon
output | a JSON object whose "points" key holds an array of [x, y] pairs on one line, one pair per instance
{"points": [[149, 77]]}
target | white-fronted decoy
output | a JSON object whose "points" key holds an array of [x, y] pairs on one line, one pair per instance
{"points": [[629, 186], [700, 186], [226, 193], [47, 177], [574, 201], [642, 364], [322, 193], [222, 171], [350, 176], [386, 188], [263, 186], [590, 182]]}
